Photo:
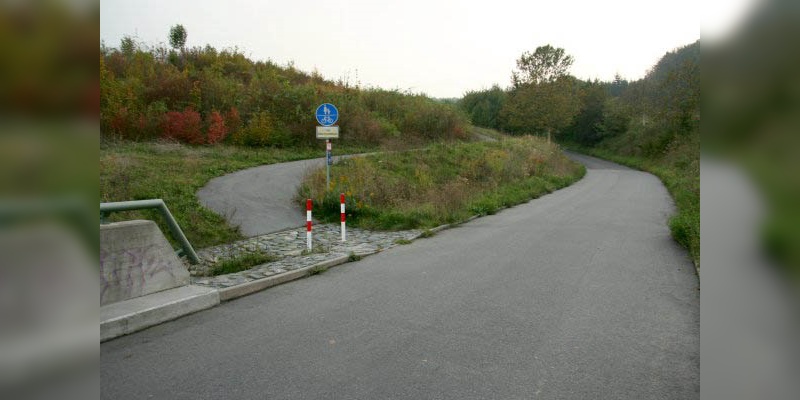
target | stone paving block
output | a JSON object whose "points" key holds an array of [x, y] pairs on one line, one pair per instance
{"points": [[289, 247]]}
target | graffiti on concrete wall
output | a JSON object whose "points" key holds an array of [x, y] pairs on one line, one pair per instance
{"points": [[137, 271]]}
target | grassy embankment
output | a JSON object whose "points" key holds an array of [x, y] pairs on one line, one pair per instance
{"points": [[440, 184], [175, 172]]}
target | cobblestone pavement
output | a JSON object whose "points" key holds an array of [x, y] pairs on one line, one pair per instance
{"points": [[290, 249]]}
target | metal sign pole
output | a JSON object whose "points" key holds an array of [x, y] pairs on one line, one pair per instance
{"points": [[327, 114], [328, 162]]}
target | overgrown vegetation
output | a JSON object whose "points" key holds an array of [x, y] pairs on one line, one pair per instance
{"points": [[651, 124], [201, 95], [241, 263], [442, 183]]}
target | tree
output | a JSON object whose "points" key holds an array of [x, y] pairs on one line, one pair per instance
{"points": [[584, 128], [546, 64], [177, 37], [128, 46], [618, 86], [483, 107], [545, 97], [544, 108]]}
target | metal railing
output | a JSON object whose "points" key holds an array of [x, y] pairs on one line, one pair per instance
{"points": [[177, 233]]}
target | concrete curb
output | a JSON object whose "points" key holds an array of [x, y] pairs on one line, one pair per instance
{"points": [[233, 292], [455, 224], [125, 317]]}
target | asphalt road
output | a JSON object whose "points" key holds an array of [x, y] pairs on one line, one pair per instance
{"points": [[581, 294], [259, 200]]}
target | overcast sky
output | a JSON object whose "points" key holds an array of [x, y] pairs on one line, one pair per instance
{"points": [[438, 47]]}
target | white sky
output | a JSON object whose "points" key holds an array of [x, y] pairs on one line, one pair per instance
{"points": [[442, 48]]}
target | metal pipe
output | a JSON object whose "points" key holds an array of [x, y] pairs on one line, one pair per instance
{"points": [[175, 229], [131, 205]]}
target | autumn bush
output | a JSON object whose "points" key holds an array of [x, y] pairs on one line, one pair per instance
{"points": [[217, 131], [185, 126], [150, 93], [136, 125], [263, 130], [232, 120]]}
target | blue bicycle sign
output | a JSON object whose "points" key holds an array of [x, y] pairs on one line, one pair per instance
{"points": [[327, 114]]}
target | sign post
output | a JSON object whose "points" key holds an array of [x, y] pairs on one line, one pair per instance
{"points": [[328, 162], [327, 115]]}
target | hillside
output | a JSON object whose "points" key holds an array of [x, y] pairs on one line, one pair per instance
{"points": [[171, 120], [205, 96]]}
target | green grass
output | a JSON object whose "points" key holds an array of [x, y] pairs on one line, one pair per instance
{"points": [[316, 249], [241, 263], [175, 172], [486, 132], [681, 176], [402, 241], [440, 184]]}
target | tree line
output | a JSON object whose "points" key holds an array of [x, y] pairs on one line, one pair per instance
{"points": [[651, 124], [543, 99], [201, 95]]}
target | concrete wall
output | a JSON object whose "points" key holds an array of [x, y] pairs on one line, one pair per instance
{"points": [[136, 260]]}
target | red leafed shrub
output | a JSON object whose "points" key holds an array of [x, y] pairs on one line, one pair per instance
{"points": [[120, 122], [232, 120], [217, 130], [184, 126]]}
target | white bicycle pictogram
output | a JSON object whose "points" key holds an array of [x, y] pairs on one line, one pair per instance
{"points": [[327, 114]]}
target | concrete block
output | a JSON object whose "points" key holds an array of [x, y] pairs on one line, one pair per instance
{"points": [[136, 260], [132, 315]]}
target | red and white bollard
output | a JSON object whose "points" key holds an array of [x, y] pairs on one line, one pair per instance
{"points": [[308, 224], [344, 229]]}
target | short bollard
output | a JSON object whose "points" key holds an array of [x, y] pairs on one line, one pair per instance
{"points": [[344, 229], [308, 224]]}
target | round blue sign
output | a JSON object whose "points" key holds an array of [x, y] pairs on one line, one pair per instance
{"points": [[327, 114]]}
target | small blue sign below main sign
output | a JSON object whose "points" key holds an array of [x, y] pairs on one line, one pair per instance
{"points": [[327, 114]]}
